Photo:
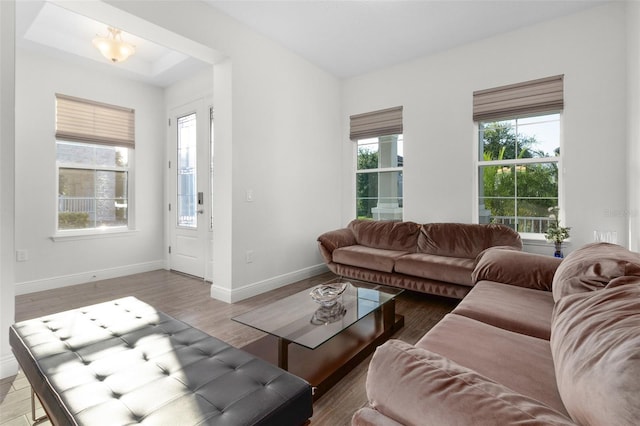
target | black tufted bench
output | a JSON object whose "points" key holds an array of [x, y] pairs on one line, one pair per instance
{"points": [[123, 362]]}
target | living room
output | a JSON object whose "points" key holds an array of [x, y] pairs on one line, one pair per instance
{"points": [[284, 136]]}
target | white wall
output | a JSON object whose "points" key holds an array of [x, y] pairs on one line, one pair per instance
{"points": [[282, 141], [633, 119], [198, 86], [436, 91], [8, 364], [57, 263]]}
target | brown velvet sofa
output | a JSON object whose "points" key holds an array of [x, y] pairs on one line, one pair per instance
{"points": [[537, 341], [435, 258]]}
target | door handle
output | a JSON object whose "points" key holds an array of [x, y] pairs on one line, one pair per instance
{"points": [[200, 211]]}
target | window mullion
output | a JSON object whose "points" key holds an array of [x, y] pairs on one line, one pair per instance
{"points": [[382, 170], [513, 162], [95, 168]]}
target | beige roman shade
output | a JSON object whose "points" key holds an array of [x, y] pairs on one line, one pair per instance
{"points": [[377, 123], [535, 96], [82, 120]]}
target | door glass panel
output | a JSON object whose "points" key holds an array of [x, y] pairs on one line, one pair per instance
{"points": [[211, 166], [187, 182]]}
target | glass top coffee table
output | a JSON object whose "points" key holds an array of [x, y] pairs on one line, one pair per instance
{"points": [[323, 343]]}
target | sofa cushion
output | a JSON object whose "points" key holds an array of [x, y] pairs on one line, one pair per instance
{"points": [[367, 257], [386, 234], [442, 268], [464, 239], [517, 309], [592, 267], [517, 361], [394, 279], [595, 342], [418, 387], [516, 268]]}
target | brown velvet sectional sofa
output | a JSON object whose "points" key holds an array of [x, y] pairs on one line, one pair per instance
{"points": [[435, 258], [537, 341]]}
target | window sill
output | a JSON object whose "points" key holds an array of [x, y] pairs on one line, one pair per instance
{"points": [[91, 234], [531, 239]]}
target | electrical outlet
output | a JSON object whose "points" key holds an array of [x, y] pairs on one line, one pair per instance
{"points": [[249, 256], [22, 255]]}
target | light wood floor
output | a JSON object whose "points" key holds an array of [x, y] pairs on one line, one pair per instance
{"points": [[187, 299]]}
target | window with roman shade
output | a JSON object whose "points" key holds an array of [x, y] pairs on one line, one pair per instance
{"points": [[94, 156], [380, 160], [519, 129], [88, 121]]}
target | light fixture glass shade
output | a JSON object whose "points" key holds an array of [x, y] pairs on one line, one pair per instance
{"points": [[113, 47]]}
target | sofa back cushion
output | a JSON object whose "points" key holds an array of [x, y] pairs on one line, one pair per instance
{"points": [[465, 239], [386, 234], [595, 344], [592, 267]]}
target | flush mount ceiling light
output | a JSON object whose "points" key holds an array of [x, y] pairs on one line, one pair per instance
{"points": [[113, 47]]}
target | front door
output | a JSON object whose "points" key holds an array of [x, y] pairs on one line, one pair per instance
{"points": [[189, 171]]}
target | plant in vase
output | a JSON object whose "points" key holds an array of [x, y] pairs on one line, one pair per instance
{"points": [[556, 233]]}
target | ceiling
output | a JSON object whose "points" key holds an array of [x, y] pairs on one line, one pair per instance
{"points": [[346, 38], [349, 38]]}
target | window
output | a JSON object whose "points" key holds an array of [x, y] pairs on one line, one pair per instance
{"points": [[94, 146], [518, 171], [93, 182], [519, 152], [379, 140], [379, 178]]}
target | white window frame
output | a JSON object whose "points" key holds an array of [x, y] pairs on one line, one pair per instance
{"points": [[89, 233], [376, 170], [534, 237]]}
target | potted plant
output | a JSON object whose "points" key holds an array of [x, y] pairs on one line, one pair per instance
{"points": [[556, 233]]}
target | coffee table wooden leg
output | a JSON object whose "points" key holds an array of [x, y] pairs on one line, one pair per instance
{"points": [[389, 314], [390, 321], [283, 353]]}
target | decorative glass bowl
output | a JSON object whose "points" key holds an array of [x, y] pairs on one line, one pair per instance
{"points": [[326, 315], [327, 294]]}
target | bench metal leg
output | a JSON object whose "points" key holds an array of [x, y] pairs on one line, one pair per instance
{"points": [[36, 421]]}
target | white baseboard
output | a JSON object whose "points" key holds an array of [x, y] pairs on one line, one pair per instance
{"points": [[254, 289], [8, 366], [85, 277]]}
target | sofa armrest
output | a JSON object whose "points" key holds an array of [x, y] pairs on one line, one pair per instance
{"points": [[331, 240], [516, 268], [338, 238], [414, 386]]}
